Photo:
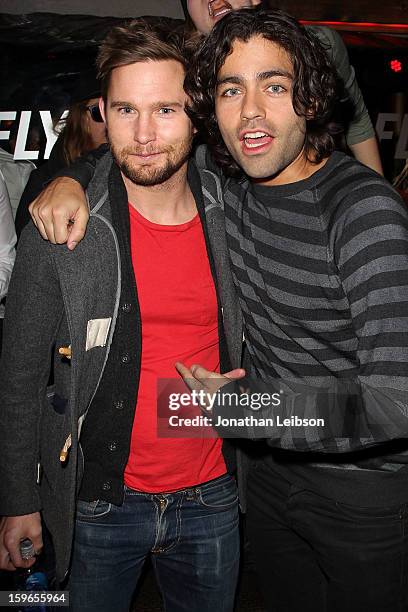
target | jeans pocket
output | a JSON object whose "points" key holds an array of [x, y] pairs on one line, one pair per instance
{"points": [[362, 514], [220, 494], [92, 510]]}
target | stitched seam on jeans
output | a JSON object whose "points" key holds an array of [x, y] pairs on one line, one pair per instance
{"points": [[178, 527], [158, 524], [93, 517], [218, 506]]}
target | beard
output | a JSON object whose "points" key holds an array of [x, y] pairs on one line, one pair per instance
{"points": [[153, 173]]}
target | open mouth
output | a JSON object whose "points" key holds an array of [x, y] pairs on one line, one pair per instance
{"points": [[216, 10], [255, 139]]}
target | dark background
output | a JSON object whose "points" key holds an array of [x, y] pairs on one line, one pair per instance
{"points": [[42, 53]]}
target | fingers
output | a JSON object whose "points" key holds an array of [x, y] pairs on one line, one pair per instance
{"points": [[56, 220], [188, 377], [38, 213], [14, 529], [34, 211], [13, 546], [60, 212], [78, 228], [198, 378], [202, 374], [199, 373], [37, 540], [235, 374], [5, 562], [183, 370]]}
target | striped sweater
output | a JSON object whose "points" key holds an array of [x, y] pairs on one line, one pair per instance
{"points": [[321, 271]]}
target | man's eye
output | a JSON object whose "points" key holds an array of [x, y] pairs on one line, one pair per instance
{"points": [[276, 89], [125, 110], [230, 92], [166, 111]]}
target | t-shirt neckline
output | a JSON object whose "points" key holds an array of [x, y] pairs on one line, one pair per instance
{"points": [[159, 227]]}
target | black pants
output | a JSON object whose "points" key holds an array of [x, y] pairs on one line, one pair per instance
{"points": [[316, 555]]}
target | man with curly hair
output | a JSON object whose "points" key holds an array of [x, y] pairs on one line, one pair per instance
{"points": [[318, 247]]}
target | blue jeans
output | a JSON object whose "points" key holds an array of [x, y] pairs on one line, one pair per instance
{"points": [[191, 536]]}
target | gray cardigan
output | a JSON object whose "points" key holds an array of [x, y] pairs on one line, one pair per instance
{"points": [[57, 298]]}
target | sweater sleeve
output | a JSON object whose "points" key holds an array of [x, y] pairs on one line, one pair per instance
{"points": [[360, 127], [83, 169], [371, 252], [33, 313]]}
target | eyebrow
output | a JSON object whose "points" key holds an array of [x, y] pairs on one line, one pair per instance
{"points": [[158, 104], [165, 103], [261, 76], [117, 103]]}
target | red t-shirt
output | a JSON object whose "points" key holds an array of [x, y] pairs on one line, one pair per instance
{"points": [[178, 307]]}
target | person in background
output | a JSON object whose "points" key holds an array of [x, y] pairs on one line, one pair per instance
{"points": [[360, 134], [7, 248], [84, 131], [15, 174], [84, 128]]}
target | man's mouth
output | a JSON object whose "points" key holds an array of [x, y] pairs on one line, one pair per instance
{"points": [[216, 10], [255, 139], [145, 154]]}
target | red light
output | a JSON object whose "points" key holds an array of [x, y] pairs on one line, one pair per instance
{"points": [[395, 65]]}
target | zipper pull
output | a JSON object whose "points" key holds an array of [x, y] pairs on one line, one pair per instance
{"points": [[65, 351], [65, 449]]}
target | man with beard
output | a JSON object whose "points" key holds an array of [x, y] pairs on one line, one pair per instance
{"points": [[139, 294]]}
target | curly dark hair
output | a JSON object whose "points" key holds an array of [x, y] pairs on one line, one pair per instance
{"points": [[315, 84]]}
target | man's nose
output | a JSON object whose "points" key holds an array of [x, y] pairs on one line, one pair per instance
{"points": [[144, 130], [252, 107]]}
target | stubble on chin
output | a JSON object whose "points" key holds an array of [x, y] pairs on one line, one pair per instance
{"points": [[156, 172]]}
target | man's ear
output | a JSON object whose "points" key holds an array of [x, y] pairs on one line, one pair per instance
{"points": [[102, 108]]}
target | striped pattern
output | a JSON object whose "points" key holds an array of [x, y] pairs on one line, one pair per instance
{"points": [[321, 269]]}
